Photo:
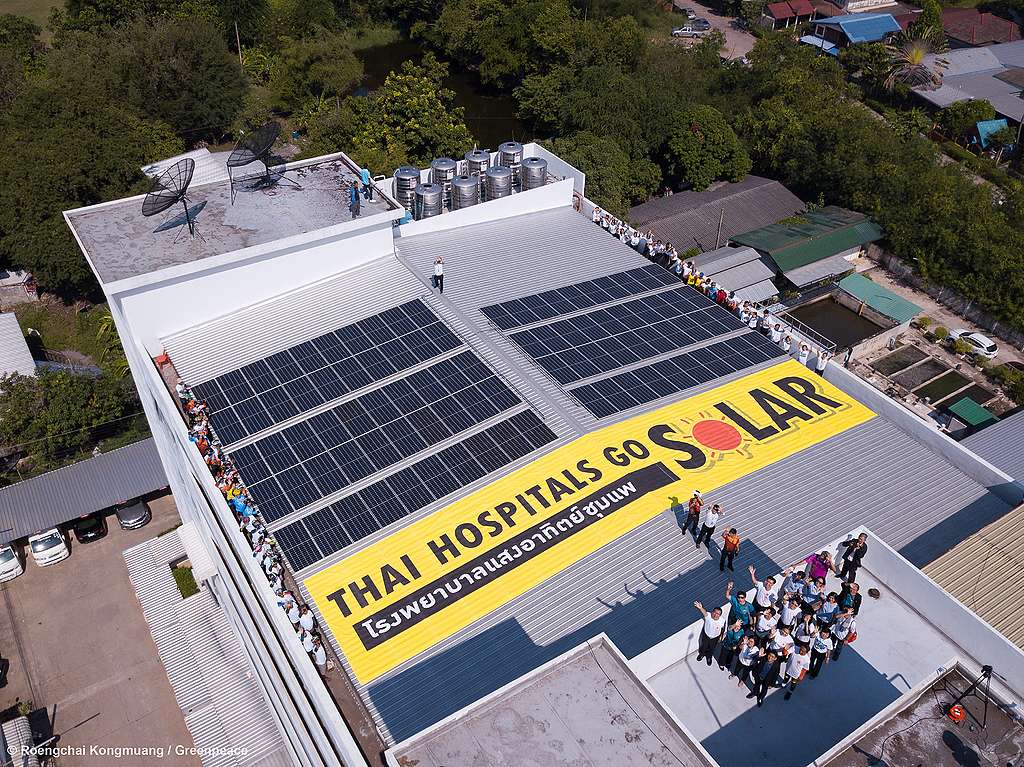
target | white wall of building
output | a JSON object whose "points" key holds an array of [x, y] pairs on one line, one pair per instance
{"points": [[183, 301]]}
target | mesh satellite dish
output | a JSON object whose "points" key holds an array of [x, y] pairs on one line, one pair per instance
{"points": [[256, 147], [169, 188]]}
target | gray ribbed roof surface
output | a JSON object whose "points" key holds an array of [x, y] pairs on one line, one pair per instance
{"points": [[819, 270], [691, 219], [1002, 445], [206, 664], [739, 269], [81, 488], [14, 354]]}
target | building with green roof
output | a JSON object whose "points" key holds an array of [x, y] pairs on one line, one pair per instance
{"points": [[814, 245], [879, 298], [967, 417]]}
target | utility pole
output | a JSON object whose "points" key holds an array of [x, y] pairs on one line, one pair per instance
{"points": [[718, 237]]}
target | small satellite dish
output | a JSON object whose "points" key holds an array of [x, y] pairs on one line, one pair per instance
{"points": [[256, 147], [169, 188]]}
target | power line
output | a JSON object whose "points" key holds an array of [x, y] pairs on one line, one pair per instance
{"points": [[74, 431]]}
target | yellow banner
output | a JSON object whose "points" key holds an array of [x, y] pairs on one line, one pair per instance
{"points": [[424, 582]]}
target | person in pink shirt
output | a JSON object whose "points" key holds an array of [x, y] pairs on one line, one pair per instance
{"points": [[817, 565]]}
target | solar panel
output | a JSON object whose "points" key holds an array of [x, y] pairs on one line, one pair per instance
{"points": [[675, 374], [312, 459], [612, 337], [356, 516], [582, 295], [267, 392]]}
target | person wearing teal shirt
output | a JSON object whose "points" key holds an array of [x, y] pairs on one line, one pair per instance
{"points": [[730, 645], [739, 606]]}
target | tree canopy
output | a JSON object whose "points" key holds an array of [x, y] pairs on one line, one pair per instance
{"points": [[703, 148]]}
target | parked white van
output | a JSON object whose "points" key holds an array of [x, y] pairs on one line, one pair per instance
{"points": [[48, 547], [10, 564]]}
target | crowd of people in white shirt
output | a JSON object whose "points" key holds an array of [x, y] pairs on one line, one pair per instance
{"points": [[770, 637], [781, 333], [264, 548]]}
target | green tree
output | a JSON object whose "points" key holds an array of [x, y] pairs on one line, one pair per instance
{"points": [[54, 414], [322, 65], [867, 64], [931, 15], [702, 147], [1003, 139], [410, 119], [249, 15], [614, 180], [959, 118], [20, 48], [915, 58]]}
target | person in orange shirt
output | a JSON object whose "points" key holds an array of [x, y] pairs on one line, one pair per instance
{"points": [[730, 548], [693, 513]]}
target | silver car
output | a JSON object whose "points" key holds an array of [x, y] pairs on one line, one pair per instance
{"points": [[131, 516]]}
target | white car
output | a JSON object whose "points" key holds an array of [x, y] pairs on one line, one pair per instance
{"points": [[48, 547], [10, 564], [981, 345], [689, 31]]}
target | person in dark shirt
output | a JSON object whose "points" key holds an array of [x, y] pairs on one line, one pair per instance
{"points": [[856, 548], [849, 598], [766, 674]]}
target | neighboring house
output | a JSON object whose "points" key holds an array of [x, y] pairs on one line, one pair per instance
{"points": [[15, 356], [1000, 445], [881, 299], [787, 14], [17, 287], [983, 132], [969, 28], [967, 417], [739, 270], [209, 167], [843, 31], [994, 73], [815, 245], [708, 219]]}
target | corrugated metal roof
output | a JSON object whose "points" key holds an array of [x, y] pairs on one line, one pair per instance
{"points": [[1003, 96], [879, 298], [81, 488], [863, 27], [636, 588], [213, 681], [759, 291], [813, 236], [985, 571], [200, 353], [209, 167], [1002, 445], [818, 270], [688, 219], [14, 354], [970, 412]]}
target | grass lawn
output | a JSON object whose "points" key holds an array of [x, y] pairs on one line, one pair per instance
{"points": [[37, 10], [63, 328]]}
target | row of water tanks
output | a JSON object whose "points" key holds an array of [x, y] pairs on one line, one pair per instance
{"points": [[480, 181]]}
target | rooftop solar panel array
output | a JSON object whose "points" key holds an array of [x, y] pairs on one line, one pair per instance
{"points": [[269, 391], [356, 516], [583, 295], [675, 374], [303, 463], [606, 339]]}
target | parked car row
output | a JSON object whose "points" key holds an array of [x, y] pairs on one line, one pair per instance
{"points": [[48, 547]]}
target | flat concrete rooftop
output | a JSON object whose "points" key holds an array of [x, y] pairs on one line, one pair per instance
{"points": [[121, 243], [896, 648], [587, 708]]}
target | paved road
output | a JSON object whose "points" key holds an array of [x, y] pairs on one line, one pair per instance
{"points": [[737, 42], [79, 647]]}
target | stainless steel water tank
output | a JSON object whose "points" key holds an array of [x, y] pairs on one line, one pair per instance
{"points": [[510, 155], [428, 201], [442, 171], [499, 182], [535, 172], [477, 163], [465, 192], [406, 180]]}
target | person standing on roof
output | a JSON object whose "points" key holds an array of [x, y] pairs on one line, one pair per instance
{"points": [[730, 645], [711, 518], [766, 674], [804, 354], [364, 175], [730, 548], [777, 334], [765, 596], [739, 607], [787, 344], [856, 548], [693, 512], [439, 274], [711, 632], [821, 362], [353, 198], [796, 669]]}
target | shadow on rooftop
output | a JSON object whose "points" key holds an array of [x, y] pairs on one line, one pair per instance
{"points": [[792, 733], [639, 617], [940, 538], [179, 220]]}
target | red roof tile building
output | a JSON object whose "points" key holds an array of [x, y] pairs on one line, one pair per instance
{"points": [[970, 28]]}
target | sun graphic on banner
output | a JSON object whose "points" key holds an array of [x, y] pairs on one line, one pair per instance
{"points": [[717, 436]]}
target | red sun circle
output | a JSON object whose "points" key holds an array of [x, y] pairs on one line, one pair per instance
{"points": [[717, 435]]}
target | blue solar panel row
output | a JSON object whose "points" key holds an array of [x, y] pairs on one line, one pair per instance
{"points": [[356, 516], [675, 374], [610, 338], [582, 295], [269, 391], [299, 465]]}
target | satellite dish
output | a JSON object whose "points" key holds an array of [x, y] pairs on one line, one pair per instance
{"points": [[169, 188], [256, 147]]}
